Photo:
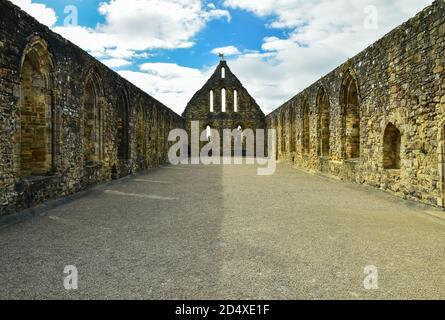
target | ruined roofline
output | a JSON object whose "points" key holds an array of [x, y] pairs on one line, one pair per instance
{"points": [[68, 42], [215, 74], [344, 64], [240, 83]]}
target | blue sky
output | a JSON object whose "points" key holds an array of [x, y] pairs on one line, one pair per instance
{"points": [[88, 14], [276, 47], [244, 29]]}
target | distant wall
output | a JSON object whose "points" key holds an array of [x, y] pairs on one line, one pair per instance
{"points": [[241, 110], [378, 119], [66, 120]]}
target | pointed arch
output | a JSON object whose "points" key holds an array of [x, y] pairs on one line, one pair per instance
{"points": [[283, 133], [244, 144], [36, 124], [123, 111], [141, 132], [164, 133], [235, 100], [239, 142], [323, 124], [350, 103], [293, 130], [92, 119], [208, 132], [154, 133], [275, 126], [223, 100], [212, 100], [392, 140], [305, 129]]}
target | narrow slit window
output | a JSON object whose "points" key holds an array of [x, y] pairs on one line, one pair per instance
{"points": [[235, 101], [223, 73], [208, 133], [223, 100], [211, 101]]}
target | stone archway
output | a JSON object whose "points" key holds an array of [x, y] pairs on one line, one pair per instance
{"points": [[323, 123], [276, 147], [122, 134], [36, 124], [305, 132], [154, 133], [350, 104], [240, 139], [92, 121], [141, 135], [392, 140]]}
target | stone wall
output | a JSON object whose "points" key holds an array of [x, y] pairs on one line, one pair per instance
{"points": [[241, 110], [67, 121], [378, 119]]}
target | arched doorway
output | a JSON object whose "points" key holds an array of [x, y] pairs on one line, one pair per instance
{"points": [[275, 124], [391, 147], [123, 146], [283, 135], [323, 125], [35, 156], [154, 139], [351, 117], [141, 134], [240, 141], [92, 122], [293, 131], [305, 134]]}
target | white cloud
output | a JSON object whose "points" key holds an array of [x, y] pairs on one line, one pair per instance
{"points": [[321, 34], [140, 25], [228, 51], [318, 36], [43, 14], [260, 8], [116, 63], [276, 44], [170, 83]]}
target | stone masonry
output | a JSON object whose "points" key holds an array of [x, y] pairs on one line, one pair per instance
{"points": [[207, 106], [66, 121], [378, 119]]}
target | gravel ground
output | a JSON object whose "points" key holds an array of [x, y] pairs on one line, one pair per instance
{"points": [[222, 232]]}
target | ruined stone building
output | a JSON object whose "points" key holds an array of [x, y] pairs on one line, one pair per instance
{"points": [[378, 119], [223, 103], [68, 122]]}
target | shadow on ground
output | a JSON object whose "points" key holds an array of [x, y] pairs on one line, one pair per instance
{"points": [[222, 232], [151, 236]]}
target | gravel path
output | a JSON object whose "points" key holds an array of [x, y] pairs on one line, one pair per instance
{"points": [[222, 232]]}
